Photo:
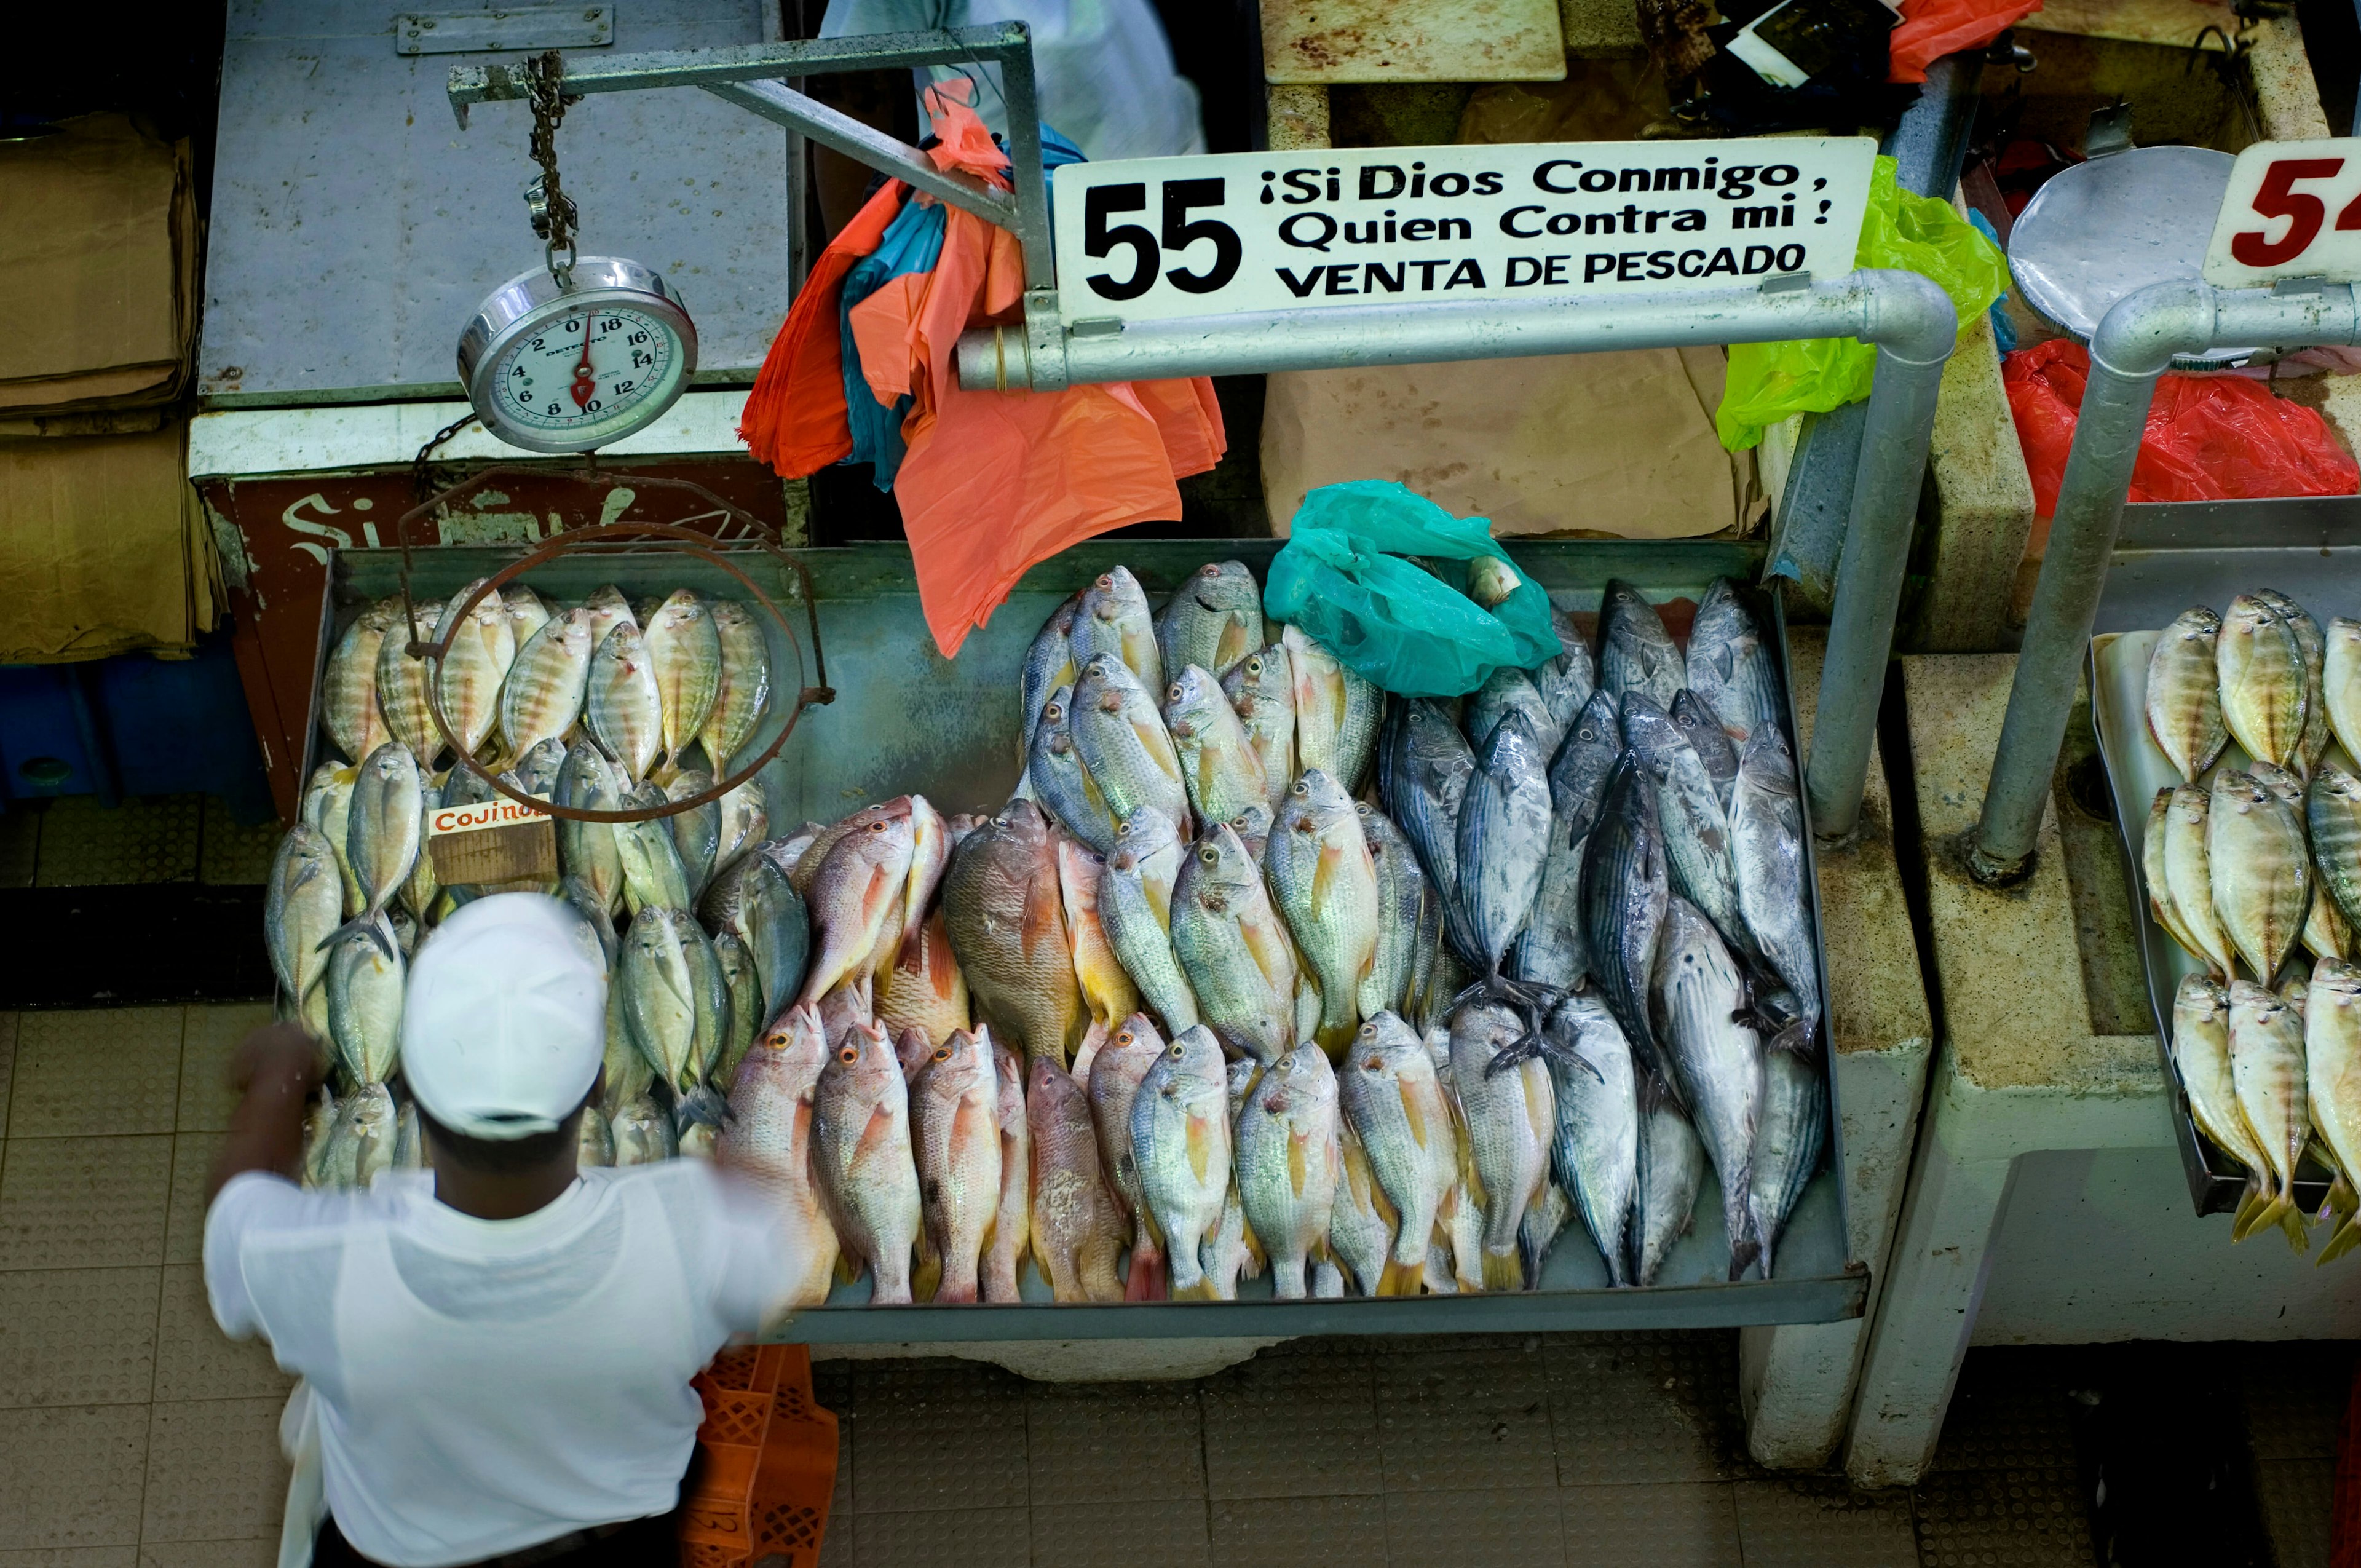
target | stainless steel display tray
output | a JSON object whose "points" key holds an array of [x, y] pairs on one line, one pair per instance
{"points": [[2168, 557], [906, 719]]}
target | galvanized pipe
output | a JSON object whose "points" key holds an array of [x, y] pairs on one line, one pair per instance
{"points": [[2137, 340], [1908, 317]]}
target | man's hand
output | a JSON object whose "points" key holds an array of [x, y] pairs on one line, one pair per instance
{"points": [[275, 1071]]}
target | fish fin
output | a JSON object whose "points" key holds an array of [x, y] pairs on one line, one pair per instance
{"points": [[848, 1268], [1504, 1271], [2347, 1236], [1204, 1290], [926, 1273], [1400, 1278]]}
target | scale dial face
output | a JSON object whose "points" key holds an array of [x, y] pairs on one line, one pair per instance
{"points": [[554, 369], [588, 372]]}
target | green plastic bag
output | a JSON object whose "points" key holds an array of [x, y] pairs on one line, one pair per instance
{"points": [[1769, 381], [1341, 578]]}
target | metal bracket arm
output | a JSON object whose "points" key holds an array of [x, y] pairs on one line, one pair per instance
{"points": [[2137, 340], [830, 128]]}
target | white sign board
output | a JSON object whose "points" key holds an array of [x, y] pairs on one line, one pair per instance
{"points": [[479, 815], [1151, 238], [2293, 210]]}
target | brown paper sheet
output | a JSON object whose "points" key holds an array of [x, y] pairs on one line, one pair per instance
{"points": [[105, 548], [97, 268], [1586, 445]]}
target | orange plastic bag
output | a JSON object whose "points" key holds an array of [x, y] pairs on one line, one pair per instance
{"points": [[2208, 437], [793, 419], [993, 482]]}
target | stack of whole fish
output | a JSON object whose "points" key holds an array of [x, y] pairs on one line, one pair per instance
{"points": [[1620, 847], [693, 914], [1188, 1009], [2253, 859]]}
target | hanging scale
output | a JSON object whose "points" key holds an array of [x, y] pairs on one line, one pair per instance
{"points": [[583, 350]]}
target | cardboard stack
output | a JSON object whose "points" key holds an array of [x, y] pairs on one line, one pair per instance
{"points": [[104, 547]]}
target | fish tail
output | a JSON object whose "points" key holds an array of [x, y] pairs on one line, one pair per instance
{"points": [[951, 1292], [848, 1268], [1147, 1279], [1201, 1288], [2291, 1222], [368, 921], [2264, 1216], [1503, 1270], [2346, 1237], [927, 1279], [1400, 1278]]}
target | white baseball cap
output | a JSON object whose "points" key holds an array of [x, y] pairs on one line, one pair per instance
{"points": [[504, 1026]]}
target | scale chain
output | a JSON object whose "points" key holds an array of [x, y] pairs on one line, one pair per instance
{"points": [[553, 213]]}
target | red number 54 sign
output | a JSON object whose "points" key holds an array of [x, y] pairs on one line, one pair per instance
{"points": [[2292, 210]]}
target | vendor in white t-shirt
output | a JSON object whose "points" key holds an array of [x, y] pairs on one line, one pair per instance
{"points": [[497, 1351]]}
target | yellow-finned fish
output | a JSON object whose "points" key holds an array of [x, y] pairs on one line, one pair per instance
{"points": [[2260, 866], [954, 1112], [348, 689], [2189, 876], [2267, 1069], [768, 1138], [2259, 666], [2184, 704], [1290, 1163], [1077, 1225], [862, 1154]]}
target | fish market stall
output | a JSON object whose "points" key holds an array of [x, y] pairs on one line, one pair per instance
{"points": [[938, 742]]}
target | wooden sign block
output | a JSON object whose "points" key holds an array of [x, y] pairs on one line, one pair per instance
{"points": [[492, 841]]}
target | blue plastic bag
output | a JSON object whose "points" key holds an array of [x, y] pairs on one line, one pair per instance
{"points": [[1342, 577]]}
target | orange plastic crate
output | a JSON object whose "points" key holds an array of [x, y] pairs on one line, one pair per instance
{"points": [[757, 1491]]}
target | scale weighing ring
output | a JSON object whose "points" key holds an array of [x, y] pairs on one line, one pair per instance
{"points": [[2100, 230], [555, 367]]}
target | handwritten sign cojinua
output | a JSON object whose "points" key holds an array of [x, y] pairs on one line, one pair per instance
{"points": [[492, 841]]}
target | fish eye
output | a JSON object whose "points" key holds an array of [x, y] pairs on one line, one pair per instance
{"points": [[1125, 1038], [877, 827], [1210, 854], [1209, 569], [1179, 1050], [848, 1054], [1302, 787], [1173, 692], [1105, 581], [1254, 666], [942, 1053], [1368, 1031]]}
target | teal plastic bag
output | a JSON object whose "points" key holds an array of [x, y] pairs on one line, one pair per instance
{"points": [[1341, 578], [1769, 381]]}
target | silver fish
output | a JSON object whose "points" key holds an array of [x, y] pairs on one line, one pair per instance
{"points": [[1402, 899], [1567, 681], [302, 905], [2313, 648], [1504, 829], [684, 649], [542, 697], [1323, 881], [1061, 783], [654, 875], [1596, 1148], [954, 1113], [2183, 699], [361, 1143], [1635, 653], [1579, 771], [1136, 908], [1122, 742], [1048, 664], [1729, 664], [1261, 689], [745, 822], [624, 707], [697, 832], [1425, 770], [1113, 619], [1180, 1146], [2262, 671], [1672, 1166], [1506, 691], [1697, 830], [1337, 711], [588, 849], [1510, 1118], [381, 835], [1232, 946], [1361, 1224], [2261, 871], [1767, 852], [1717, 1059], [745, 685], [643, 1134], [1552, 949], [745, 987], [1703, 729], [660, 995], [1396, 1105], [608, 610], [364, 983], [1116, 1075], [1290, 1163], [349, 706], [1223, 771], [1789, 1138], [1214, 619]]}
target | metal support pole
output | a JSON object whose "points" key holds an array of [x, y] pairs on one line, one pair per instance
{"points": [[1896, 430], [2136, 342]]}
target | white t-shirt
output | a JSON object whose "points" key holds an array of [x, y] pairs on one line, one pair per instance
{"points": [[485, 1385], [1103, 69]]}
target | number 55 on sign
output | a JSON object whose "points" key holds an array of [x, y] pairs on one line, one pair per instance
{"points": [[2293, 210]]}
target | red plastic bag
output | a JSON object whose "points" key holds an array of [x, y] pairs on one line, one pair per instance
{"points": [[2208, 437], [1933, 28]]}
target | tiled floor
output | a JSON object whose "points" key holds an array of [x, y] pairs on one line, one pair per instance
{"points": [[73, 841]]}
